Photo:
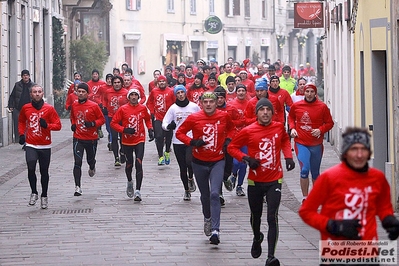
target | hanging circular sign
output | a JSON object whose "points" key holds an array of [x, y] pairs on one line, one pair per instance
{"points": [[213, 25]]}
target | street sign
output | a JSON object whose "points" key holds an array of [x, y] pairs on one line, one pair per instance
{"points": [[213, 25]]}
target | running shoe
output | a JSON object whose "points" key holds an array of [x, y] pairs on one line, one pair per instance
{"points": [[161, 161], [92, 172], [187, 195], [117, 162], [233, 180], [272, 261], [33, 198], [109, 146], [130, 189], [78, 191], [256, 249], [167, 157], [100, 133], [207, 226], [240, 191], [214, 239], [228, 185], [191, 185], [44, 202], [123, 158], [222, 201], [137, 195]]}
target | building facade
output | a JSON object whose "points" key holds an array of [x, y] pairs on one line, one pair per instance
{"points": [[360, 84]]}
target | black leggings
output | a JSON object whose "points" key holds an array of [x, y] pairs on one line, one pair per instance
{"points": [[32, 155], [272, 190], [184, 157], [138, 150], [162, 137], [115, 141], [79, 146]]}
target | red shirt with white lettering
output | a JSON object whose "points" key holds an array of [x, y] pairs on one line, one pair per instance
{"points": [[344, 193], [132, 116], [87, 111], [28, 124], [213, 129]]}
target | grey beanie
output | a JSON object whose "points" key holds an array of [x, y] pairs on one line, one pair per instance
{"points": [[264, 102]]}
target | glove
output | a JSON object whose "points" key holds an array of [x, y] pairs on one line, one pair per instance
{"points": [[252, 162], [105, 111], [197, 142], [151, 136], [172, 125], [43, 123], [289, 164], [73, 127], [391, 225], [21, 139], [128, 130], [225, 144], [90, 124], [345, 228]]}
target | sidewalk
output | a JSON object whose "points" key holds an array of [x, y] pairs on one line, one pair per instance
{"points": [[105, 227]]}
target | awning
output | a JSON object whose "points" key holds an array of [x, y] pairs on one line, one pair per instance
{"points": [[197, 38], [174, 37], [132, 36]]}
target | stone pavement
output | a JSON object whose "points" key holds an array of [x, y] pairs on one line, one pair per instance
{"points": [[105, 227]]}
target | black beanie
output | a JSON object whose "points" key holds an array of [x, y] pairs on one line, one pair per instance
{"points": [[264, 102], [84, 86], [230, 79], [220, 91], [199, 76]]}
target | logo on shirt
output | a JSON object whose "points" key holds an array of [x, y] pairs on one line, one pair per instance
{"points": [[115, 102], [210, 132], [34, 123], [267, 153], [160, 103], [306, 122], [356, 202], [80, 120]]}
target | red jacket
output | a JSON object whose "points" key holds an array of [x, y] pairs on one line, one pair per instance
{"points": [[250, 115], [28, 124], [279, 100], [73, 97], [305, 116], [240, 105], [88, 111], [194, 94], [344, 193], [159, 102], [132, 117], [96, 90], [213, 129], [114, 99], [250, 87], [264, 143]]}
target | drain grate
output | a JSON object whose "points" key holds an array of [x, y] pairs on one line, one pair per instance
{"points": [[73, 211]]}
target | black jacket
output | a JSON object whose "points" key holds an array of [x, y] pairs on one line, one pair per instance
{"points": [[20, 95]]}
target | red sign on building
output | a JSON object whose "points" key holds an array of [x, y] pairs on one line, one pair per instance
{"points": [[308, 15]]}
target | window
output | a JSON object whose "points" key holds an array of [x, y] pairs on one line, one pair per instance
{"points": [[264, 9], [133, 4], [171, 6], [247, 9], [232, 8], [211, 7], [193, 7]]}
